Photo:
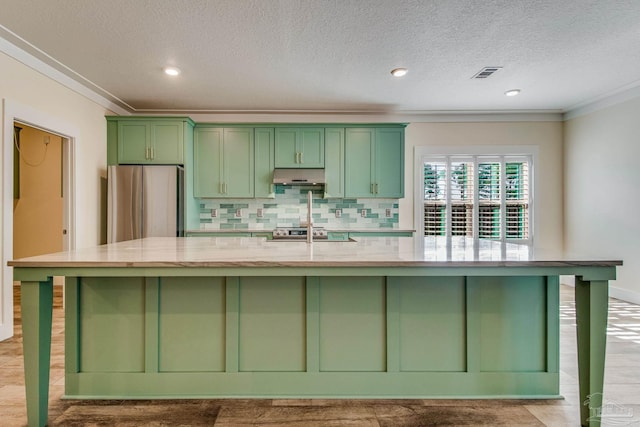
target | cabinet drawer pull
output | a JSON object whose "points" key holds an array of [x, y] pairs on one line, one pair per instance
{"points": [[301, 157], [153, 153], [371, 191], [146, 153], [376, 188]]}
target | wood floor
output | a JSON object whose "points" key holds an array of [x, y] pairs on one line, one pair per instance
{"points": [[622, 392]]}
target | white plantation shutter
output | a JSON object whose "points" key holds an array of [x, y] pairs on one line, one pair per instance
{"points": [[489, 199], [517, 198], [435, 198], [477, 196], [461, 179]]}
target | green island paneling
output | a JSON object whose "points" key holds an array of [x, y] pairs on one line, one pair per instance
{"points": [[512, 323], [317, 336], [272, 326], [432, 323], [352, 324], [111, 312], [191, 322]]}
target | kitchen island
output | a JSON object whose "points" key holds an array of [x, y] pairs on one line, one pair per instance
{"points": [[381, 317]]}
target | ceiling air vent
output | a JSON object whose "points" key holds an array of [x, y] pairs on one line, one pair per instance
{"points": [[486, 72]]}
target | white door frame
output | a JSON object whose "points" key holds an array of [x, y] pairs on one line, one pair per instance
{"points": [[16, 112]]}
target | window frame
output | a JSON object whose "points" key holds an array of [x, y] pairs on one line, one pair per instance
{"points": [[502, 153]]}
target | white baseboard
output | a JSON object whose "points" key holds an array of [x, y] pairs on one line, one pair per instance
{"points": [[624, 295]]}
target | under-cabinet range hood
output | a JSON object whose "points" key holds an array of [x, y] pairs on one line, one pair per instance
{"points": [[298, 176]]}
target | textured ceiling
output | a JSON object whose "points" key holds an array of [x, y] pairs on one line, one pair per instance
{"points": [[335, 55]]}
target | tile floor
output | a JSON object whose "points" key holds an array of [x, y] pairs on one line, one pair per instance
{"points": [[622, 392]]}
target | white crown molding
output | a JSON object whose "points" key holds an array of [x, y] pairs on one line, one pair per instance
{"points": [[623, 94], [273, 116], [30, 60]]}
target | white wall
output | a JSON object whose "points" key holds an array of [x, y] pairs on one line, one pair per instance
{"points": [[25, 86], [23, 89], [546, 136], [602, 181]]}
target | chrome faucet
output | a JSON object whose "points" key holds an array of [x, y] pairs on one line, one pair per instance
{"points": [[309, 223]]}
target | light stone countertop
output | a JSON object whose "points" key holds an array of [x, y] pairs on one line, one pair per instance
{"points": [[259, 252]]}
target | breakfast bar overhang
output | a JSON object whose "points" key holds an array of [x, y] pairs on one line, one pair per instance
{"points": [[387, 317]]}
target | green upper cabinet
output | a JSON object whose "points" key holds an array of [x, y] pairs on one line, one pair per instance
{"points": [[374, 162], [334, 163], [158, 141], [264, 163], [299, 148], [223, 162]]}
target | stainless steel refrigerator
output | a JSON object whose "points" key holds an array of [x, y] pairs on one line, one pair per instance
{"points": [[144, 201]]}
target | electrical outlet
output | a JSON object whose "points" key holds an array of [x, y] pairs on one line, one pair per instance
{"points": [[387, 213], [214, 213], [238, 213], [363, 213], [260, 213], [338, 213]]}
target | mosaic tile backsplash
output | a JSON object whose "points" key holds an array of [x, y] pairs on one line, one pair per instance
{"points": [[290, 206]]}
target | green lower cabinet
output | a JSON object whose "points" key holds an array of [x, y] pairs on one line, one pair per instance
{"points": [[337, 236], [355, 234], [218, 234], [346, 235], [267, 234], [363, 336]]}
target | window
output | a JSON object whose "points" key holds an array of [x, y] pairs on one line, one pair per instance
{"points": [[484, 197]]}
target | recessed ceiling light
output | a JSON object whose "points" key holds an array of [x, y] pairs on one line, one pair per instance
{"points": [[171, 71], [512, 92], [399, 72]]}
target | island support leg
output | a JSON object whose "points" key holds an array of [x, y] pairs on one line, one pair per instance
{"points": [[37, 310], [592, 301]]}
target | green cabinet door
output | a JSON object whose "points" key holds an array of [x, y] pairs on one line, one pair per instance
{"points": [[167, 142], [207, 153], [150, 141], [389, 163], [134, 140], [299, 148], [238, 162], [264, 163], [334, 163], [223, 162], [374, 162], [286, 148], [359, 162]]}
